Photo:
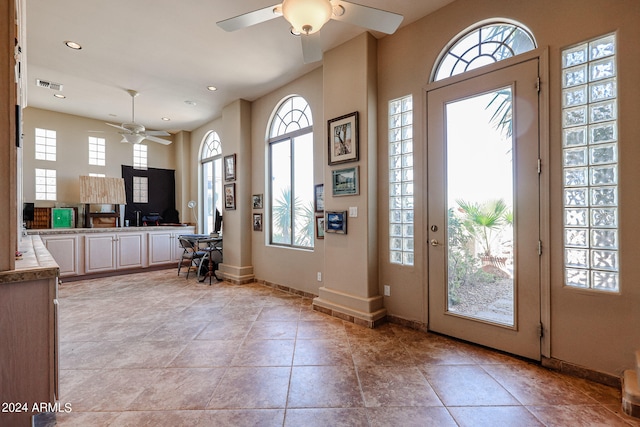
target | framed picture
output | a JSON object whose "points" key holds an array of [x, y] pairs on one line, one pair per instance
{"points": [[256, 199], [345, 182], [230, 196], [319, 227], [343, 139], [319, 198], [257, 222], [230, 167], [336, 222]]}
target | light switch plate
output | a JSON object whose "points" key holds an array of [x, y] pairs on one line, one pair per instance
{"points": [[353, 211]]}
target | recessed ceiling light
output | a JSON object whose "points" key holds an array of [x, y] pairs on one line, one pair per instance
{"points": [[192, 103], [212, 88], [166, 119], [59, 95], [72, 44]]}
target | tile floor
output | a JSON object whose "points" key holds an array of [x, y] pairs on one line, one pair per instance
{"points": [[154, 349]]}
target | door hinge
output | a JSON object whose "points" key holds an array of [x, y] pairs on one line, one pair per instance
{"points": [[539, 166], [539, 248], [538, 84], [540, 330]]}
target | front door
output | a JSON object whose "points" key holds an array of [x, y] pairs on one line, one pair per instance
{"points": [[483, 209]]}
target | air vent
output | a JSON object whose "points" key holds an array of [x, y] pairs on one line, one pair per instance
{"points": [[48, 85]]}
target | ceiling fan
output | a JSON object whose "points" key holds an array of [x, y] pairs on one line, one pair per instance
{"points": [[308, 16], [135, 133]]}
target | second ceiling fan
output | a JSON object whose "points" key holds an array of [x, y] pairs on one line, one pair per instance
{"points": [[135, 133], [308, 16]]}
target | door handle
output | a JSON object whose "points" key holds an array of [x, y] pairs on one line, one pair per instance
{"points": [[434, 242]]}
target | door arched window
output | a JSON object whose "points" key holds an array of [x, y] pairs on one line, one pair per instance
{"points": [[291, 209], [211, 173], [481, 46]]}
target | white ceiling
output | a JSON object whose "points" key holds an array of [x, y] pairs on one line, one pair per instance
{"points": [[169, 51]]}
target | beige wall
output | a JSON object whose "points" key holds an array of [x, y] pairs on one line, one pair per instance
{"points": [[592, 330], [588, 329], [72, 133]]}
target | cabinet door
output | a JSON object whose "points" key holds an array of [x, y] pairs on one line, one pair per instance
{"points": [[161, 249], [64, 249], [130, 250], [100, 253]]}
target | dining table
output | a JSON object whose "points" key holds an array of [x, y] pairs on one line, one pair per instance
{"points": [[210, 244]]}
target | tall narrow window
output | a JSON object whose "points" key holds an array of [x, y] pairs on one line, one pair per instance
{"points": [[211, 168], [140, 189], [46, 184], [45, 144], [139, 156], [291, 209], [590, 165], [97, 151], [401, 181]]}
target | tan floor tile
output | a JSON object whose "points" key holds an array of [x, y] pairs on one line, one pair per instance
{"points": [[243, 417], [577, 416], [410, 417], [328, 352], [494, 416], [158, 419], [323, 417], [324, 386], [264, 353], [225, 330], [395, 386], [252, 387], [202, 354]]}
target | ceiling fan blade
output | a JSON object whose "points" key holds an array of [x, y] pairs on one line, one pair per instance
{"points": [[249, 19], [117, 127], [368, 17], [311, 47], [158, 140], [157, 133]]}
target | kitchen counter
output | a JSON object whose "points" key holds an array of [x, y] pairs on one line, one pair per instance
{"points": [[36, 263], [47, 231]]}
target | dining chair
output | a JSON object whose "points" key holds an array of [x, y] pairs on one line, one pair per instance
{"points": [[190, 254]]}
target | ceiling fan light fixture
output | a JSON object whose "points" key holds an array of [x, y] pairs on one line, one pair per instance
{"points": [[307, 16], [133, 138]]}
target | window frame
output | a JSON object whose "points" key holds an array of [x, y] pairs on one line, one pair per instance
{"points": [[288, 124], [210, 153]]}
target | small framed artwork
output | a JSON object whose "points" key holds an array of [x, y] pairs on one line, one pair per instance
{"points": [[256, 199], [320, 227], [257, 222], [319, 198], [343, 139], [345, 182], [230, 196], [336, 222], [230, 167]]}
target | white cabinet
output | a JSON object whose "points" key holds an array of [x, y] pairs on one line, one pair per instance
{"points": [[100, 252], [113, 251], [164, 247], [130, 250], [65, 250]]}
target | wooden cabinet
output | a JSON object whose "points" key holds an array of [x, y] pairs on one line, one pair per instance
{"points": [[65, 250], [164, 247]]}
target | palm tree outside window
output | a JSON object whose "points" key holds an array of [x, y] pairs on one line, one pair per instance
{"points": [[291, 209]]}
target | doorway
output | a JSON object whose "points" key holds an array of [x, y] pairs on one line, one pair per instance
{"points": [[483, 198]]}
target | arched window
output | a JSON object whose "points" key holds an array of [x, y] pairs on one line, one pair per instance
{"points": [[483, 46], [211, 173], [291, 209]]}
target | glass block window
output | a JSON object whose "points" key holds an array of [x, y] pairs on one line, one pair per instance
{"points": [[401, 237], [98, 175], [483, 46], [139, 156], [140, 189], [46, 184], [590, 165], [97, 151], [45, 144]]}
